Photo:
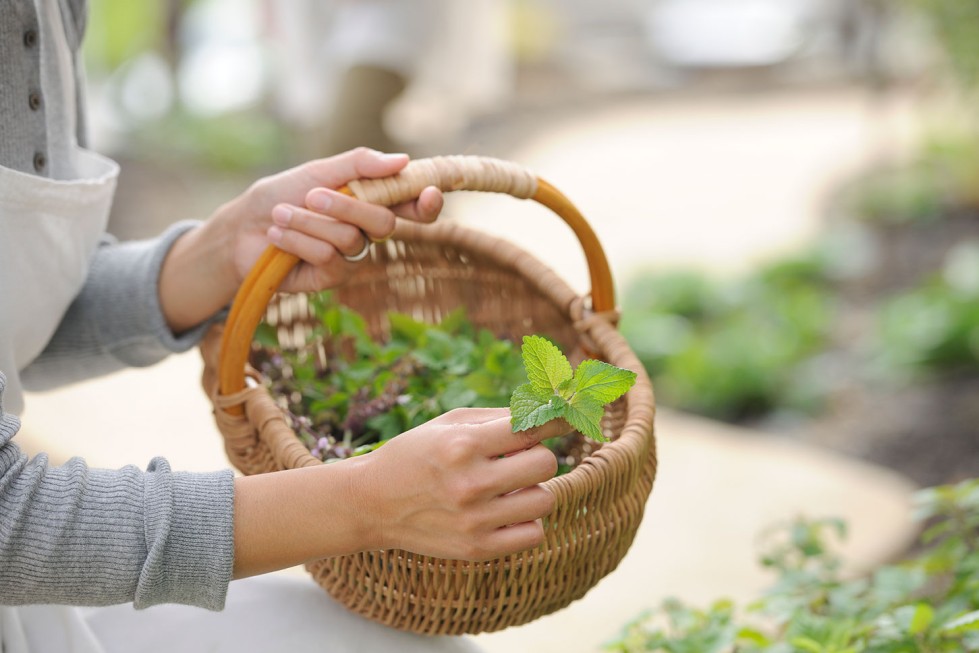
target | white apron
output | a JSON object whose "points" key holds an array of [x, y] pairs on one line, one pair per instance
{"points": [[48, 232]]}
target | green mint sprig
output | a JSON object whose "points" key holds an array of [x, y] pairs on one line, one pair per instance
{"points": [[554, 391]]}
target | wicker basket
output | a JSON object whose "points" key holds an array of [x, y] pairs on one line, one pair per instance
{"points": [[427, 271]]}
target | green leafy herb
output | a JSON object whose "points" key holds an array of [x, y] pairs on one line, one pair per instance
{"points": [[553, 391], [345, 392]]}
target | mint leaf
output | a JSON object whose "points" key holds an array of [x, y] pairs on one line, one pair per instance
{"points": [[554, 391], [406, 329], [567, 388], [602, 381], [531, 406], [585, 414], [546, 366]]}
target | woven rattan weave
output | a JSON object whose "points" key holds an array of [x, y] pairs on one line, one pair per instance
{"points": [[427, 271]]}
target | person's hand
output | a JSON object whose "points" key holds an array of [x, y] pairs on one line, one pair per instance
{"points": [[462, 486], [297, 210], [300, 211]]}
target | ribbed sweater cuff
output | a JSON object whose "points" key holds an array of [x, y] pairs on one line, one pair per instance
{"points": [[189, 537], [133, 307]]}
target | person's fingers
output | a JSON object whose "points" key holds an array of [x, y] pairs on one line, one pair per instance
{"points": [[472, 416], [425, 209], [523, 505], [376, 221], [514, 539], [336, 240], [523, 469]]}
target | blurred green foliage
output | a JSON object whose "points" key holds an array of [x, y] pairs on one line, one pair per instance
{"points": [[769, 343], [944, 175], [119, 30], [734, 349], [758, 345], [956, 25], [241, 141], [935, 326], [928, 603]]}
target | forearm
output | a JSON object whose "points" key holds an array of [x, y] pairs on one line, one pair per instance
{"points": [[288, 518]]}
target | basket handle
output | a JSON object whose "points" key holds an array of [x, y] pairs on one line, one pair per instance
{"points": [[448, 173]]}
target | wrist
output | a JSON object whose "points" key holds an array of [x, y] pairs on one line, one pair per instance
{"points": [[292, 517], [365, 523], [198, 277]]}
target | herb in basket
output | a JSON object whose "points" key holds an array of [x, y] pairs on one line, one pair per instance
{"points": [[346, 394], [553, 391]]}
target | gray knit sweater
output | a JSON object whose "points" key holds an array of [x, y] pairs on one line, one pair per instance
{"points": [[72, 534]]}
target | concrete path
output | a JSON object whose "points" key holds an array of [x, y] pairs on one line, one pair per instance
{"points": [[716, 183]]}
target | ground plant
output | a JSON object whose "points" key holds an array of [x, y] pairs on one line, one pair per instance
{"points": [[734, 349], [934, 326], [929, 603]]}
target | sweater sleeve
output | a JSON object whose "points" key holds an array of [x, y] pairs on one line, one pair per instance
{"points": [[116, 320], [81, 536]]}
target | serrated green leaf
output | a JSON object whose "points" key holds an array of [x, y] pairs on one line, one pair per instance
{"points": [[340, 320], [567, 388], [585, 414], [546, 366], [531, 406], [602, 381]]}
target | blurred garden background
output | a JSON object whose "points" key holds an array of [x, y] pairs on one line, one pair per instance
{"points": [[787, 190], [827, 293]]}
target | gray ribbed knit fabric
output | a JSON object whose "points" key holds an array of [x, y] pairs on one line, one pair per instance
{"points": [[81, 536], [71, 534]]}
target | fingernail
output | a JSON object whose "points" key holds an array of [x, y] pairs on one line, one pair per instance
{"points": [[393, 157], [281, 215], [274, 234], [320, 200]]}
